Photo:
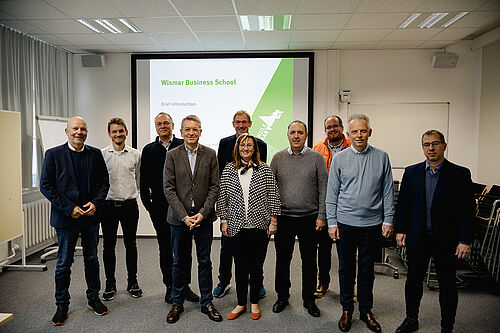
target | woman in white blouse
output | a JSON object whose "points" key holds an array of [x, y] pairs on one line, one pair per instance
{"points": [[247, 205]]}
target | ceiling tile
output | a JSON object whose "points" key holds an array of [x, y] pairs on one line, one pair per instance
{"points": [[31, 9], [405, 44], [53, 40], [213, 23], [450, 5], [144, 8], [453, 33], [413, 34], [62, 26], [434, 44], [236, 46], [183, 47], [23, 26], [84, 39], [172, 37], [320, 21], [160, 24], [354, 45], [203, 7], [327, 6], [476, 19], [388, 6], [267, 36], [103, 48], [74, 49], [363, 35], [86, 9], [263, 46], [129, 39], [310, 46], [265, 7], [220, 37], [5, 16], [143, 48], [491, 5], [315, 35], [376, 21]]}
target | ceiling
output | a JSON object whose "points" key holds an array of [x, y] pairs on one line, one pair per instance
{"points": [[213, 25]]}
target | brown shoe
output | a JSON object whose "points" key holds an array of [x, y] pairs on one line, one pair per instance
{"points": [[371, 323], [345, 321], [321, 290], [175, 313], [211, 312]]}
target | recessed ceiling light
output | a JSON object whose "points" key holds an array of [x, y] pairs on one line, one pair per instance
{"points": [[409, 20], [266, 22], [454, 19], [109, 26], [432, 19], [90, 26], [129, 25]]}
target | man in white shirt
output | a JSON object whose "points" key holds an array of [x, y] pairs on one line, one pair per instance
{"points": [[123, 164]]}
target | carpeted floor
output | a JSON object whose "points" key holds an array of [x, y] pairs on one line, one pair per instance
{"points": [[30, 297]]}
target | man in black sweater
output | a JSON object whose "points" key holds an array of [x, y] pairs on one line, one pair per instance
{"points": [[153, 197]]}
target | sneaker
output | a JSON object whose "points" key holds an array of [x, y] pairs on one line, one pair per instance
{"points": [[134, 290], [61, 315], [109, 292], [97, 306], [262, 292], [221, 290], [190, 295]]}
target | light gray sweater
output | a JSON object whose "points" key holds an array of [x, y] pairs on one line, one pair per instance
{"points": [[302, 182]]}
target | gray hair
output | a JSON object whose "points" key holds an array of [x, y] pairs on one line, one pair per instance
{"points": [[163, 114], [360, 116], [191, 117]]}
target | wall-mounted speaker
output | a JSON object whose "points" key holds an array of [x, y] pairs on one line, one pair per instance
{"points": [[444, 60], [93, 60]]}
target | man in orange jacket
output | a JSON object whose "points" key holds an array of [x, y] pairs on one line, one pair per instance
{"points": [[334, 142]]}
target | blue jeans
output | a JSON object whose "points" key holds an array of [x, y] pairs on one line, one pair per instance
{"points": [[364, 241], [67, 238], [182, 240]]}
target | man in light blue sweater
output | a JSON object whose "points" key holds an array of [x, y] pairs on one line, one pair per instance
{"points": [[359, 206]]}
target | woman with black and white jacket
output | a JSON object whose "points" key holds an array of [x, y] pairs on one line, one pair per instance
{"points": [[248, 205]]}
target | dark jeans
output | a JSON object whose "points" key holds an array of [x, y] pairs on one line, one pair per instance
{"points": [[225, 261], [324, 256], [284, 241], [163, 236], [67, 238], [182, 240], [445, 262], [365, 241], [128, 216], [249, 247]]}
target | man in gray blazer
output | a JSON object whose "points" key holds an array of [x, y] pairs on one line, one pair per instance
{"points": [[191, 182]]}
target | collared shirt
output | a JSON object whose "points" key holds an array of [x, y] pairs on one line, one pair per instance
{"points": [[359, 152], [431, 179], [166, 145], [73, 148], [337, 148], [290, 151], [123, 168], [192, 158]]}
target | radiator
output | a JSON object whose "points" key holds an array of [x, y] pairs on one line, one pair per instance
{"points": [[38, 232]]}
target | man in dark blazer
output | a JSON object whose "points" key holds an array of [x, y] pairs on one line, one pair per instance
{"points": [[434, 219], [153, 197], [191, 181], [241, 123], [75, 180]]}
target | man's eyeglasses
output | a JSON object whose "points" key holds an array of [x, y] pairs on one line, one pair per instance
{"points": [[434, 144], [195, 129], [332, 127]]}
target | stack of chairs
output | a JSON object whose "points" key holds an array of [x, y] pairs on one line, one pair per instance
{"points": [[475, 260], [488, 218]]}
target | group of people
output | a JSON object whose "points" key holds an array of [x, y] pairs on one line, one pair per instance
{"points": [[342, 191]]}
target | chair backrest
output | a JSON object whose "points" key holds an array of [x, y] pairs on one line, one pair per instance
{"points": [[485, 202]]}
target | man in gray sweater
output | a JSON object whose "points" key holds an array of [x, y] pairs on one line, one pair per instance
{"points": [[360, 207], [302, 176]]}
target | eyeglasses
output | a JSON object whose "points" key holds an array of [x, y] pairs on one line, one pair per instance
{"points": [[332, 127], [241, 122], [246, 146], [195, 129], [434, 144]]}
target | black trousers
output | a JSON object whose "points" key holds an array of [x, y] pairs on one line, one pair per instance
{"points": [[163, 236], [249, 247], [324, 256], [225, 260], [127, 215], [445, 262], [284, 241]]}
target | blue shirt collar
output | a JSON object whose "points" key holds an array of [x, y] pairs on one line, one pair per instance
{"points": [[436, 169], [290, 151], [360, 152]]}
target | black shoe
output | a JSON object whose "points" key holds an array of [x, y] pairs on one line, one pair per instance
{"points": [[168, 295], [97, 306], [211, 312], [61, 315], [134, 290], [312, 309], [190, 296], [409, 325], [280, 305], [446, 330], [175, 313], [109, 292]]}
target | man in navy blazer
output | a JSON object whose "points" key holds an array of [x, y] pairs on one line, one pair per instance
{"points": [[75, 180], [434, 219]]}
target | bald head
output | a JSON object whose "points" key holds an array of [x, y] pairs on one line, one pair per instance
{"points": [[76, 130]]}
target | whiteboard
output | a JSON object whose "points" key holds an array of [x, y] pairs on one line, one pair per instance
{"points": [[398, 127], [52, 131]]}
